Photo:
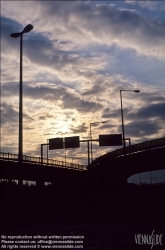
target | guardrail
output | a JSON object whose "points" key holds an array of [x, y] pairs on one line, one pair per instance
{"points": [[139, 147], [37, 160]]}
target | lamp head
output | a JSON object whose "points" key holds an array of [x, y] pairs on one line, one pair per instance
{"points": [[136, 91], [15, 35], [27, 29]]}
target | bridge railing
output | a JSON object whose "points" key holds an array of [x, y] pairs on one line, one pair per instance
{"points": [[37, 160], [139, 147], [147, 145], [8, 156]]}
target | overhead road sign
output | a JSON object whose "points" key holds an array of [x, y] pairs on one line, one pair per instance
{"points": [[72, 142], [56, 143], [110, 140]]}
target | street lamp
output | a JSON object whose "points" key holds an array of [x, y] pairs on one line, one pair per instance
{"points": [[92, 123], [27, 29], [136, 91]]}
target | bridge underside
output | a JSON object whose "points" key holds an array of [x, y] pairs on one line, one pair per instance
{"points": [[33, 172], [118, 170]]}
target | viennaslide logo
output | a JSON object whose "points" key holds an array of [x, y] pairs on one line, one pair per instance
{"points": [[145, 239]]}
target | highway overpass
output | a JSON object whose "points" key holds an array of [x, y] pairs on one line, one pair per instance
{"points": [[117, 166], [112, 168]]}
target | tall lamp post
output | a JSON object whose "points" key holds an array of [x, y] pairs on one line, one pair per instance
{"points": [[27, 29], [136, 91], [92, 123]]}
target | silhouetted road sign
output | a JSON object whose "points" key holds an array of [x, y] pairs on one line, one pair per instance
{"points": [[56, 143], [110, 140], [72, 142]]}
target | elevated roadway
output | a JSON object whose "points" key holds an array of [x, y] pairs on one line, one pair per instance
{"points": [[35, 169], [118, 166], [114, 167]]}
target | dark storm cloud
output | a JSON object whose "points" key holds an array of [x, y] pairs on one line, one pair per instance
{"points": [[74, 102], [141, 129], [152, 111], [8, 114], [98, 87], [69, 100], [28, 128], [9, 26], [41, 51], [158, 96], [94, 90], [107, 126], [79, 129], [141, 124], [41, 117], [111, 114]]}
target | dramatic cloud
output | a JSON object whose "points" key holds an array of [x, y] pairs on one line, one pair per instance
{"points": [[156, 111], [76, 60], [8, 114], [68, 99], [141, 129]]}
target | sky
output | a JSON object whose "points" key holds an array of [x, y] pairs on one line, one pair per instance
{"points": [[76, 60]]}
